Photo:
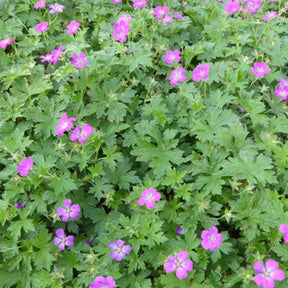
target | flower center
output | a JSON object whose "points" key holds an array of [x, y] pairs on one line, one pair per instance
{"points": [[212, 238], [267, 274], [149, 197]]}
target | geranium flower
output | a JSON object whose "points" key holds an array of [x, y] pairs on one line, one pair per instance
{"points": [[101, 282], [232, 6], [267, 274], [149, 197], [201, 72], [177, 15], [5, 43], [270, 15], [25, 166], [176, 76], [180, 264], [56, 8], [119, 249], [167, 19], [260, 68], [178, 230], [79, 61], [61, 240], [41, 27], [70, 211], [19, 206], [139, 3], [172, 56], [64, 125], [73, 27], [121, 30], [211, 239], [284, 229], [81, 134], [40, 4], [160, 11], [117, 1]]}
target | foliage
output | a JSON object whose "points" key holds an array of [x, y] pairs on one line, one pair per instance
{"points": [[215, 150]]}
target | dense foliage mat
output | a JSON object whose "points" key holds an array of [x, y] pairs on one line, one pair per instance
{"points": [[143, 143]]}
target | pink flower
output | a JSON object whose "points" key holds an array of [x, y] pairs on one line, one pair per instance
{"points": [[177, 15], [61, 240], [81, 134], [260, 68], [25, 166], [180, 264], [47, 57], [64, 125], [19, 206], [284, 229], [172, 56], [201, 72], [40, 4], [4, 43], [52, 57], [101, 282], [211, 239], [73, 27], [176, 76], [70, 211], [119, 249], [56, 53], [281, 92], [79, 61], [56, 8], [167, 19], [41, 27], [160, 11], [117, 1], [149, 197], [270, 15], [121, 30], [253, 6], [139, 3], [178, 230], [232, 6], [267, 274]]}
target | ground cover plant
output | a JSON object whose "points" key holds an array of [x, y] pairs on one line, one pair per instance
{"points": [[143, 143]]}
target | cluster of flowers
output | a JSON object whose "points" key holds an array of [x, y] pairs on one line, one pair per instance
{"points": [[80, 134], [136, 3], [78, 60], [161, 13], [68, 211], [52, 57], [282, 89], [211, 239], [252, 6], [121, 28]]}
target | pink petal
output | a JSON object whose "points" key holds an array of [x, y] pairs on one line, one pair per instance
{"points": [[113, 245], [271, 265], [170, 266], [150, 204], [278, 275], [283, 228], [182, 256], [181, 273], [141, 201], [259, 267], [60, 233], [187, 265], [67, 203]]}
